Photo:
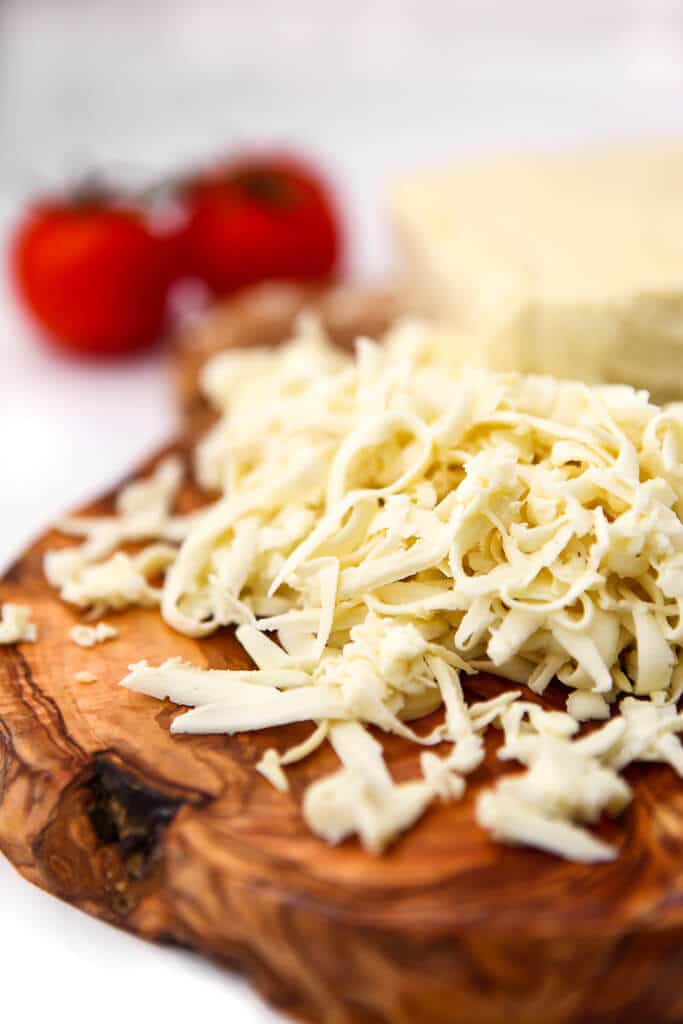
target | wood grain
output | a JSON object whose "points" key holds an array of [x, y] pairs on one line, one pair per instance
{"points": [[178, 839]]}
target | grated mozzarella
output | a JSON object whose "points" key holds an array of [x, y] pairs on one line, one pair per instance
{"points": [[390, 524], [88, 636], [15, 624], [85, 677]]}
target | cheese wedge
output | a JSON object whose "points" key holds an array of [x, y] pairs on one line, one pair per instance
{"points": [[567, 264]]}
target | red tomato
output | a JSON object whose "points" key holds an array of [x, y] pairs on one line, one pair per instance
{"points": [[94, 274], [260, 218]]}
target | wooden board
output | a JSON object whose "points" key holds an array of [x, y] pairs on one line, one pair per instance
{"points": [[179, 840]]}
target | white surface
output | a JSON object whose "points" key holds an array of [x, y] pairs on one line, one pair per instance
{"points": [[368, 87], [62, 965]]}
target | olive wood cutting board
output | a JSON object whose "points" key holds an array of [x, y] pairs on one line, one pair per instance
{"points": [[178, 839]]}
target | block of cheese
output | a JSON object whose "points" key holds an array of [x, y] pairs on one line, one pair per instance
{"points": [[569, 264]]}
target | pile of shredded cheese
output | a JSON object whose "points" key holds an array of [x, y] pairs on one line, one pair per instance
{"points": [[390, 523]]}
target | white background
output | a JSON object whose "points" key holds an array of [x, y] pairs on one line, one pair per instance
{"points": [[366, 87]]}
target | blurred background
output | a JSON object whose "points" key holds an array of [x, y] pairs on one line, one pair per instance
{"points": [[367, 89]]}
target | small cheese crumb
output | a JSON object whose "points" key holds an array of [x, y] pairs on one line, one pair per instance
{"points": [[15, 627], [88, 636], [85, 677], [270, 767], [585, 706]]}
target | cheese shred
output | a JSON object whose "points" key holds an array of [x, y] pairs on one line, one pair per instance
{"points": [[15, 624]]}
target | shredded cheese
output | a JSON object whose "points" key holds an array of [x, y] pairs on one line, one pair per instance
{"points": [[119, 581], [566, 782], [15, 624], [85, 677], [388, 525], [88, 636], [143, 513], [362, 797], [270, 767], [584, 706]]}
